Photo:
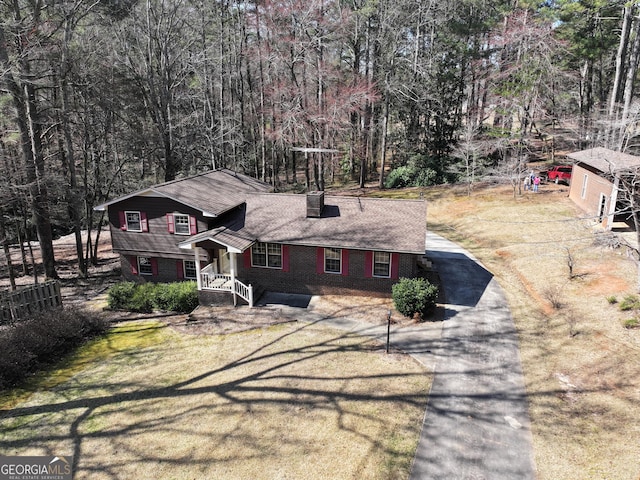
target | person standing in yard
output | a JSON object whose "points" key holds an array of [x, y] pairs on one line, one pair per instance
{"points": [[527, 182], [536, 182]]}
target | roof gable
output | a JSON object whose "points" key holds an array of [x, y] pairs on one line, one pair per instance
{"points": [[213, 193]]}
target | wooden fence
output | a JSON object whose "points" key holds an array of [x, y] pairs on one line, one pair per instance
{"points": [[29, 300]]}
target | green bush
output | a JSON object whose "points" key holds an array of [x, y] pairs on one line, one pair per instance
{"points": [[612, 300], [120, 294], [631, 323], [400, 177], [162, 296], [144, 298], [33, 343], [426, 177], [414, 296], [177, 297], [421, 171], [630, 302]]}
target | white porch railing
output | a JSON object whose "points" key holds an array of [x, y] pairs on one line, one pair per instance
{"points": [[224, 283], [216, 281], [244, 291]]}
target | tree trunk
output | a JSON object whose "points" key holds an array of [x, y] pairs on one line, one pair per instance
{"points": [[7, 253], [73, 197], [620, 59], [24, 100], [383, 147], [634, 59]]}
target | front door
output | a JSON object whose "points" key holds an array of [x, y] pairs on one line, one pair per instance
{"points": [[223, 261], [602, 207]]}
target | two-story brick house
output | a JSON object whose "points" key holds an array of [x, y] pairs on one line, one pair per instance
{"points": [[227, 232]]}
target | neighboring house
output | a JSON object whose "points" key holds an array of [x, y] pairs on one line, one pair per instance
{"points": [[595, 182], [227, 232]]}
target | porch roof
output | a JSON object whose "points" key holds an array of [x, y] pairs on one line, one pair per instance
{"points": [[233, 241]]}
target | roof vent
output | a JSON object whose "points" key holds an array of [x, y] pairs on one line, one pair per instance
{"points": [[315, 204]]}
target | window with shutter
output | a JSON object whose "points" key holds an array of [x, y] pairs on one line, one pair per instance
{"points": [[182, 225], [145, 266], [266, 255], [133, 221], [333, 260], [190, 269], [381, 264]]}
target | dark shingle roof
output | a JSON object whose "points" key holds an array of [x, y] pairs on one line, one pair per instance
{"points": [[213, 193], [346, 222], [605, 160]]}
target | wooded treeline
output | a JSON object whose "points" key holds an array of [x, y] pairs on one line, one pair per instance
{"points": [[101, 97]]}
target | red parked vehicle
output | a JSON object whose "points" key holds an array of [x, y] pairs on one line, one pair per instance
{"points": [[559, 173]]}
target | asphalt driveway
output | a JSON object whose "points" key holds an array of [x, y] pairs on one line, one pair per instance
{"points": [[476, 425]]}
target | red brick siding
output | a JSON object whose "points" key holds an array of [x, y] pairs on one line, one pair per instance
{"points": [[209, 297], [167, 270], [303, 277]]}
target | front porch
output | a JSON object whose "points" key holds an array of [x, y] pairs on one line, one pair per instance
{"points": [[218, 251], [209, 280]]}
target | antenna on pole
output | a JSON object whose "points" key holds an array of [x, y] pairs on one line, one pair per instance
{"points": [[319, 171]]}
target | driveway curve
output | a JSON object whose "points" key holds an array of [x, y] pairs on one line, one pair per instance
{"points": [[476, 424]]}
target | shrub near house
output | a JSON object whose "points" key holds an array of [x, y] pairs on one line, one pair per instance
{"points": [[179, 297], [413, 296]]}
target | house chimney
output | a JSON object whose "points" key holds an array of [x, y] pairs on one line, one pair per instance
{"points": [[315, 204]]}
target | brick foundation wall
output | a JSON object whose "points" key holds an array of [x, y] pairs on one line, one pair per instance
{"points": [[208, 298]]}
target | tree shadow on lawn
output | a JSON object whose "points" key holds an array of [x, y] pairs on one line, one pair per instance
{"points": [[262, 380]]}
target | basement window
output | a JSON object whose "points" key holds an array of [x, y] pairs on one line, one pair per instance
{"points": [[144, 266], [190, 269]]}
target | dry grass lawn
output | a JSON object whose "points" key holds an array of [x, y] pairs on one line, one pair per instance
{"points": [[291, 401], [299, 401], [582, 367]]}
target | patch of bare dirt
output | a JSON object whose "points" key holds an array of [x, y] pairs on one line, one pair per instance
{"points": [[224, 320], [372, 310], [603, 281]]}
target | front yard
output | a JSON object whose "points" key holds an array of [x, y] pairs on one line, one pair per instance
{"points": [[294, 400]]}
